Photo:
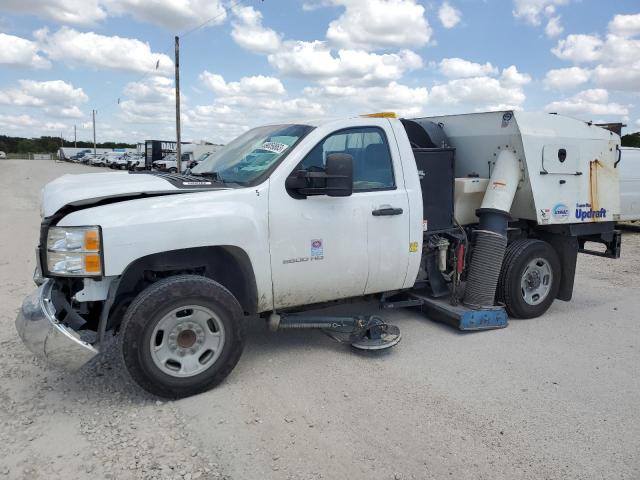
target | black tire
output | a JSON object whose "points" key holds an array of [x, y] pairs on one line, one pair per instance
{"points": [[517, 257], [173, 170], [150, 306]]}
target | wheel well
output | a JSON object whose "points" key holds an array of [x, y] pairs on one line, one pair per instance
{"points": [[228, 265], [566, 247]]}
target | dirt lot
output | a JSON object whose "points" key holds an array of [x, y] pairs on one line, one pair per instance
{"points": [[556, 398]]}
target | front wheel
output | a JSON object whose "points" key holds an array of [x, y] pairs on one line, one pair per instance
{"points": [[529, 279], [181, 336], [173, 170]]}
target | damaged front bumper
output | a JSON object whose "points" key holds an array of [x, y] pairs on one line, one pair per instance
{"points": [[45, 336]]}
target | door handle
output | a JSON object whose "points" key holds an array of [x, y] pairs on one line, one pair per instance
{"points": [[386, 211]]}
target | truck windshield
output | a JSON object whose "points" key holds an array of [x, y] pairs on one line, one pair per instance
{"points": [[253, 153]]}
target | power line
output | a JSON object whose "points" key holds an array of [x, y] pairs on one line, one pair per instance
{"points": [[206, 22]]}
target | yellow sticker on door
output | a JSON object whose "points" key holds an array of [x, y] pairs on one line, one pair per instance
{"points": [[413, 247]]}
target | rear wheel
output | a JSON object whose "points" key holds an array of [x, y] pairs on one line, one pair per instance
{"points": [[529, 279], [182, 336], [173, 170]]}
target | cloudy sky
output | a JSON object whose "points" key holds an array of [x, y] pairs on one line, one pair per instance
{"points": [[255, 62]]}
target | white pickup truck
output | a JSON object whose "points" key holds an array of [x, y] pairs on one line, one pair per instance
{"points": [[463, 215], [630, 184]]}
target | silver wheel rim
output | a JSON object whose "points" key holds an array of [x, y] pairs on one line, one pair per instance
{"points": [[187, 341], [536, 281]]}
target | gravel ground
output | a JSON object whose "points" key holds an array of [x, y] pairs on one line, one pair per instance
{"points": [[555, 397]]}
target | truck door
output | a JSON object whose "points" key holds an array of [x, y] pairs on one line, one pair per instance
{"points": [[378, 178], [327, 248]]}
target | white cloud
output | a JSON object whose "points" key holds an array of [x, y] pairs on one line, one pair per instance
{"points": [[67, 112], [449, 16], [579, 48], [588, 102], [15, 122], [625, 25], [149, 101], [103, 52], [248, 101], [511, 77], [554, 27], [532, 11], [32, 93], [617, 57], [483, 92], [460, 68], [17, 51], [371, 24], [566, 78], [315, 61], [27, 126], [256, 85], [618, 77], [395, 97], [173, 15], [75, 12], [249, 33]]}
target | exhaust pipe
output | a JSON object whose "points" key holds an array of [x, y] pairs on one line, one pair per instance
{"points": [[491, 236]]}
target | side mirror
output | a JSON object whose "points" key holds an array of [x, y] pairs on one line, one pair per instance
{"points": [[339, 169], [335, 181]]}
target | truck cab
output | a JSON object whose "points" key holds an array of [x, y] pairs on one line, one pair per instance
{"points": [[294, 215]]}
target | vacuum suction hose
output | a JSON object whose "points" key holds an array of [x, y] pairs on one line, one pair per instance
{"points": [[490, 242]]}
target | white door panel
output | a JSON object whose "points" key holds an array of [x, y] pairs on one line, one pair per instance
{"points": [[318, 248], [355, 252], [388, 241]]}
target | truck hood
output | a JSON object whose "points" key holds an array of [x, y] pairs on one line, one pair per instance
{"points": [[90, 188]]}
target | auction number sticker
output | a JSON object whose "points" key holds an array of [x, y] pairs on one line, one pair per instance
{"points": [[274, 147]]}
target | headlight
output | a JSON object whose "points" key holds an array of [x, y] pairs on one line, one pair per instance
{"points": [[74, 251]]}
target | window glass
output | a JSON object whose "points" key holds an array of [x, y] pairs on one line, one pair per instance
{"points": [[253, 153], [372, 167]]}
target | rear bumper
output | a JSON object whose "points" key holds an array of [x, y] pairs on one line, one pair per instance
{"points": [[49, 339]]}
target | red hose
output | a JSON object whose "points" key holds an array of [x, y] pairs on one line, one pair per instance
{"points": [[460, 258]]}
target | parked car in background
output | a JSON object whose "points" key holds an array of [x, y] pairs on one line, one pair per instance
{"points": [[111, 157], [86, 157], [136, 162], [97, 160], [120, 163], [629, 184], [76, 157], [3, 155], [170, 164]]}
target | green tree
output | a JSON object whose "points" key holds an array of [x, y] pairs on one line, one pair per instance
{"points": [[631, 140]]}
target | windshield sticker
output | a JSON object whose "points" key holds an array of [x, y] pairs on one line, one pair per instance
{"points": [[274, 147]]}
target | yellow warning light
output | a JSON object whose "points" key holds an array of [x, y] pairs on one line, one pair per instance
{"points": [[380, 115]]}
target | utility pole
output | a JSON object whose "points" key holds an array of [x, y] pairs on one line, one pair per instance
{"points": [[177, 65], [75, 137], [93, 114]]}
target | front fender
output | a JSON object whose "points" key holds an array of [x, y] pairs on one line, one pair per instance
{"points": [[136, 228]]}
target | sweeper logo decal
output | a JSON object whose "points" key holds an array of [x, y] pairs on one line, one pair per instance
{"points": [[506, 119], [316, 249], [317, 253], [561, 212], [585, 211]]}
